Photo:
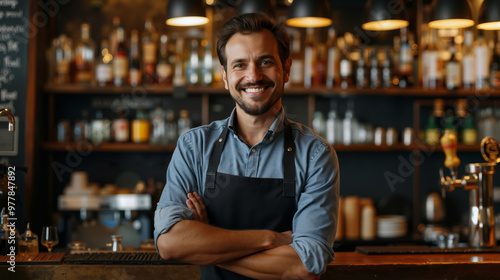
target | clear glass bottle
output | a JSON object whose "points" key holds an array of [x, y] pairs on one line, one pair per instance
{"points": [[431, 62], [134, 71], [158, 135], [63, 57], [104, 68], [345, 65], [207, 65], [452, 70], [333, 126], [387, 69], [361, 76], [332, 65], [164, 68], [481, 55], [468, 62], [81, 127], [120, 59], [193, 64], [495, 67], [319, 124], [100, 128], [375, 76], [184, 122], [297, 69], [349, 125], [309, 58], [28, 243], [170, 127], [149, 41], [84, 57], [179, 78]]}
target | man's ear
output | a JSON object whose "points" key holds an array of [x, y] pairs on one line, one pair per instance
{"points": [[224, 77], [286, 69]]}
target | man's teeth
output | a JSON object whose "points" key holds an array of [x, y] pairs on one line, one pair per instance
{"points": [[254, 89]]}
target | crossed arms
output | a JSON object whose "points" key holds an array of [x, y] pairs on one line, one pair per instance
{"points": [[259, 254]]}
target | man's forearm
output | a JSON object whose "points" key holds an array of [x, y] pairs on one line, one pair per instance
{"points": [[199, 243], [278, 263]]}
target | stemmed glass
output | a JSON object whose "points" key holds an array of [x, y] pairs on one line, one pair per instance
{"points": [[49, 237]]}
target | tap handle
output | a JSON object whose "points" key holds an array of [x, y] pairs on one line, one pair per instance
{"points": [[490, 149], [443, 183], [449, 144]]}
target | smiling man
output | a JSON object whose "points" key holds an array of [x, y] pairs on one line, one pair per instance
{"points": [[254, 196]]}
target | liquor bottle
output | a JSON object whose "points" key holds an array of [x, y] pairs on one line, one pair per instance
{"points": [[141, 127], [158, 135], [332, 65], [469, 132], [431, 63], [134, 71], [184, 122], [375, 76], [163, 68], [309, 58], [349, 125], [405, 61], [468, 64], [171, 131], [81, 129], [149, 41], [193, 64], [396, 53], [438, 113], [432, 131], [297, 69], [319, 78], [120, 127], [207, 64], [84, 57], [179, 78], [495, 67], [120, 59], [63, 57], [100, 129], [345, 66], [6, 232], [415, 54], [104, 69], [460, 118], [452, 70], [450, 125], [387, 70], [361, 77], [319, 124], [333, 126], [481, 56], [113, 36]]}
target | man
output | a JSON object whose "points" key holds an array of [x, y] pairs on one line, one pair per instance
{"points": [[255, 195]]}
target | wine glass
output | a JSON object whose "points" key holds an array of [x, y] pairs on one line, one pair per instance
{"points": [[49, 237]]}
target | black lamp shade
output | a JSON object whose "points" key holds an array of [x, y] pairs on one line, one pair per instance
{"points": [[186, 12], [309, 13], [384, 15], [451, 14], [489, 15], [257, 6]]}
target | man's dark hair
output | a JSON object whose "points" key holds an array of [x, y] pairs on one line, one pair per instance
{"points": [[247, 24]]}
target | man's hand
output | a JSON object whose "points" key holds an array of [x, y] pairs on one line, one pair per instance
{"points": [[195, 203]]}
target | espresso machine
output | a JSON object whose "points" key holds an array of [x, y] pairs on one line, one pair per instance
{"points": [[478, 180]]}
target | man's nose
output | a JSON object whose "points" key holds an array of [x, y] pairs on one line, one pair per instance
{"points": [[254, 73]]}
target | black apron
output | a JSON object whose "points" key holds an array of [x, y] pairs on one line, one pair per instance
{"points": [[239, 203]]}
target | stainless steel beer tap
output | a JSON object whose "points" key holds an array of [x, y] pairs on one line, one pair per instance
{"points": [[8, 114], [479, 181]]}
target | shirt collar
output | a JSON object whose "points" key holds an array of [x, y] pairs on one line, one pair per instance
{"points": [[276, 126]]}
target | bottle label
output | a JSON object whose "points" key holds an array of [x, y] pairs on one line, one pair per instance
{"points": [[452, 74], [405, 60], [120, 66], [62, 67], [468, 74], [134, 76], [495, 79], [481, 55], [345, 68], [434, 65], [332, 58], [163, 70], [149, 52], [296, 74], [104, 73]]}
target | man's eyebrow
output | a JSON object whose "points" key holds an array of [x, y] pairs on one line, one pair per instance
{"points": [[238, 60]]}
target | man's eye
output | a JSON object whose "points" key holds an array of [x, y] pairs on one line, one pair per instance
{"points": [[267, 63]]}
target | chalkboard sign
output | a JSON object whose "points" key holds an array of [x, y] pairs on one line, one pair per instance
{"points": [[13, 75]]}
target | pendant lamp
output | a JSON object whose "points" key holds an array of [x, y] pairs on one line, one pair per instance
{"points": [[489, 15], [309, 13], [381, 15], [257, 6], [451, 14], [186, 13]]}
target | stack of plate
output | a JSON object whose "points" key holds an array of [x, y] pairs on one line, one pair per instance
{"points": [[391, 226]]}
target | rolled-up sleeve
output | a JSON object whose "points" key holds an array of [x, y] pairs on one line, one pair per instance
{"points": [[180, 181], [315, 222]]}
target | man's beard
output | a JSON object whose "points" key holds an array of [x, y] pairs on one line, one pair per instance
{"points": [[256, 110]]}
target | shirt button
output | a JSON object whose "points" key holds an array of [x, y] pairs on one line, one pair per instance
{"points": [[254, 150]]}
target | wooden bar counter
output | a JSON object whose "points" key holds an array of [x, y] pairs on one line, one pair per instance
{"points": [[347, 265]]}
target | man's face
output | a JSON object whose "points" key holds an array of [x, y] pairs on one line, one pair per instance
{"points": [[253, 74]]}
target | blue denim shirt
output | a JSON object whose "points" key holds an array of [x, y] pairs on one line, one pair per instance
{"points": [[317, 181]]}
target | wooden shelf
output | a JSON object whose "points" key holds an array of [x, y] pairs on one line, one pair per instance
{"points": [[197, 90], [107, 147]]}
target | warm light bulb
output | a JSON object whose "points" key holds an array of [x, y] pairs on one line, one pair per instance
{"points": [[187, 21], [494, 25], [309, 22], [451, 23], [383, 25]]}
